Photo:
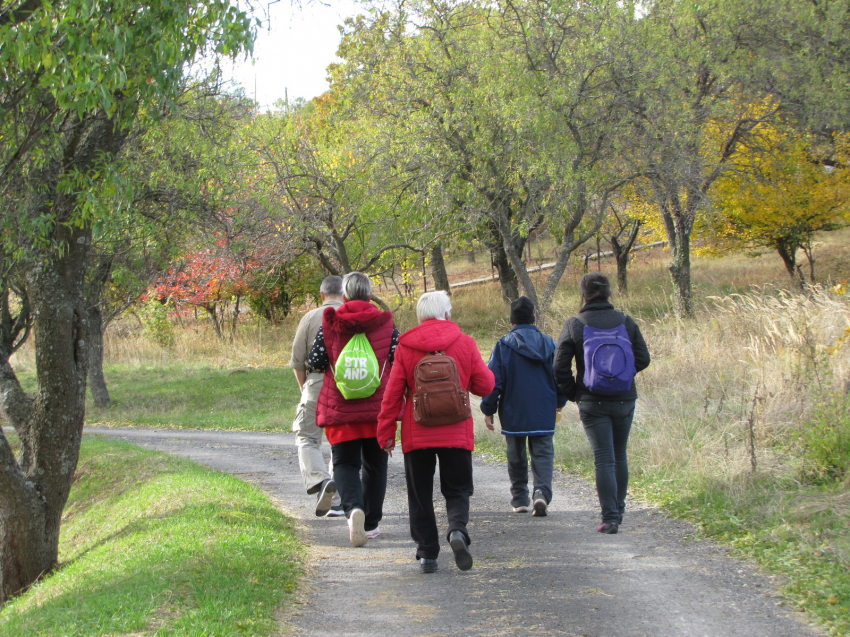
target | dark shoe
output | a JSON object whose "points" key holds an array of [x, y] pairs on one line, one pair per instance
{"points": [[539, 506], [326, 494], [463, 558], [427, 565], [608, 527]]}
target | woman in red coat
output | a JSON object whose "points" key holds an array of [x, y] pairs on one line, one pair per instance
{"points": [[360, 465], [423, 446]]}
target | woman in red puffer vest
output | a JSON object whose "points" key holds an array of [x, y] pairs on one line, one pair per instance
{"points": [[351, 425], [423, 446]]}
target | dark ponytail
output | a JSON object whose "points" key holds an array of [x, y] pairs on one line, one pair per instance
{"points": [[594, 287]]}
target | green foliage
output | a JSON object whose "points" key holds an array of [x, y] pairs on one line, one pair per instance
{"points": [[153, 543], [272, 293], [825, 440], [99, 69], [154, 316]]}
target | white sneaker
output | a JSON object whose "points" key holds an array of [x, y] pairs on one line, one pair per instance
{"points": [[522, 509], [335, 512], [356, 533], [323, 499], [373, 533]]}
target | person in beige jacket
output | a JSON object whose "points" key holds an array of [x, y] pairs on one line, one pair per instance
{"points": [[308, 436]]}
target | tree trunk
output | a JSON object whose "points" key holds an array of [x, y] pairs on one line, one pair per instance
{"points": [[680, 271], [788, 252], [513, 251], [212, 312], [621, 256], [622, 272], [438, 268], [97, 381], [34, 489], [507, 276]]}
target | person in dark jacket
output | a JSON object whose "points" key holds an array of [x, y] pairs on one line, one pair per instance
{"points": [[360, 465], [607, 419], [527, 400], [424, 446]]}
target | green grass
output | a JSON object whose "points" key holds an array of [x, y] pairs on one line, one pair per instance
{"points": [[158, 545], [202, 397], [797, 531]]}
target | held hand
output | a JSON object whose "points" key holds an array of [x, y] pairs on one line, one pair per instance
{"points": [[389, 447], [488, 420]]}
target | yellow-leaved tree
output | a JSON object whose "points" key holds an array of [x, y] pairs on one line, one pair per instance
{"points": [[792, 188]]}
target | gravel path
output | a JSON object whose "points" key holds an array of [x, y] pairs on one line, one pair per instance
{"points": [[532, 576]]}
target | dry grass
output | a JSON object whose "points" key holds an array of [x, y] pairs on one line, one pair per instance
{"points": [[726, 388]]}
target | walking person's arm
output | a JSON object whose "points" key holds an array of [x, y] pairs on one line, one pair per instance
{"points": [[301, 377], [641, 351], [490, 403], [481, 379], [563, 365], [391, 406]]}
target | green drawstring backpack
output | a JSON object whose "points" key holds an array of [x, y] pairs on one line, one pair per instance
{"points": [[356, 372]]}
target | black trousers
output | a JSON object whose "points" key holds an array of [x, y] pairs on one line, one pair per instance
{"points": [[364, 490], [455, 485]]}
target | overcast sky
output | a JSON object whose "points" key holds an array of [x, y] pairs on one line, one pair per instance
{"points": [[293, 50]]}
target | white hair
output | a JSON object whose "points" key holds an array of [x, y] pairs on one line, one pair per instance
{"points": [[356, 286], [433, 305]]}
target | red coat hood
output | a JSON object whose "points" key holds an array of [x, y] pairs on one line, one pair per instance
{"points": [[356, 317], [431, 336]]}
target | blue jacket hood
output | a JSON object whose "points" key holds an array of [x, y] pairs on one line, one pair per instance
{"points": [[530, 342]]}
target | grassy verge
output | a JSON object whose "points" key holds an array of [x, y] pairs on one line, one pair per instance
{"points": [[200, 397], [796, 530], [194, 397], [158, 545]]}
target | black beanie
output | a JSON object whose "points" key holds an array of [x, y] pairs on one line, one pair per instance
{"points": [[522, 311]]}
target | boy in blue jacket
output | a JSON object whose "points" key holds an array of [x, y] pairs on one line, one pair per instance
{"points": [[527, 400]]}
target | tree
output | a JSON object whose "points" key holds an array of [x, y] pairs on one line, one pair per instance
{"points": [[795, 190], [694, 104], [621, 228], [77, 75], [326, 186], [509, 125]]}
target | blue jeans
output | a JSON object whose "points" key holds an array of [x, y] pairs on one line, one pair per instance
{"points": [[607, 424], [542, 452]]}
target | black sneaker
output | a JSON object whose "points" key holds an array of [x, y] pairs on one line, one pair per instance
{"points": [[463, 558], [427, 565], [538, 505], [326, 495], [608, 527]]}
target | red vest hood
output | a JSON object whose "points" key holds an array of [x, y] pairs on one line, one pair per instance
{"points": [[355, 317]]}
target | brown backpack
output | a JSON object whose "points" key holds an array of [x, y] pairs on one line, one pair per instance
{"points": [[440, 399]]}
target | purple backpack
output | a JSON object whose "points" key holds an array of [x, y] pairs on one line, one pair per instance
{"points": [[609, 361]]}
